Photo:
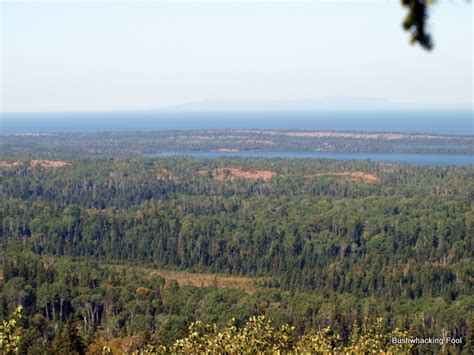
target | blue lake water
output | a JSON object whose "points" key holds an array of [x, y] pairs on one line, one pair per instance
{"points": [[435, 122], [407, 158]]}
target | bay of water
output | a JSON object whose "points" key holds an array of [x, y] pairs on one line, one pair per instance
{"points": [[397, 158], [435, 122]]}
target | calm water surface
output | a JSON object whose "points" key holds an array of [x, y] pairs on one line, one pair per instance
{"points": [[408, 158], [436, 122]]}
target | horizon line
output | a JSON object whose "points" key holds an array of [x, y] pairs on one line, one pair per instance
{"points": [[245, 110]]}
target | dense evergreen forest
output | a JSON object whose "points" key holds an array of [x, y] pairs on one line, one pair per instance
{"points": [[328, 244], [127, 144]]}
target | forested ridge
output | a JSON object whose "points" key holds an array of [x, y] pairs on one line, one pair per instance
{"points": [[332, 243], [139, 143]]}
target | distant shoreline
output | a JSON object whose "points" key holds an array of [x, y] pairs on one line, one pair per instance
{"points": [[237, 141], [395, 158], [415, 122]]}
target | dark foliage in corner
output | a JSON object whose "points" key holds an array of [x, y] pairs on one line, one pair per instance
{"points": [[416, 22]]}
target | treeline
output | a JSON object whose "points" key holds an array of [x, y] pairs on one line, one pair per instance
{"points": [[331, 248], [311, 232], [128, 144], [390, 248], [102, 183], [72, 306]]}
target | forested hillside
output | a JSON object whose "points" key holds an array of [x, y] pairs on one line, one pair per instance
{"points": [[328, 244], [127, 144]]}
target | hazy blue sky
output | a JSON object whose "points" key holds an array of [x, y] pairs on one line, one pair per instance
{"points": [[90, 55]]}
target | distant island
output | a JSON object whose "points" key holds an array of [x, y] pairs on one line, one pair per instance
{"points": [[138, 143]]}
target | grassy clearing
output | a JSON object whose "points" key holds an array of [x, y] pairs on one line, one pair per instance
{"points": [[185, 278]]}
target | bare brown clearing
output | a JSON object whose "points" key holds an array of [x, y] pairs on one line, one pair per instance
{"points": [[237, 173], [228, 150], [355, 176], [165, 174], [9, 164], [49, 163], [35, 163], [260, 141], [185, 278], [355, 135]]}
